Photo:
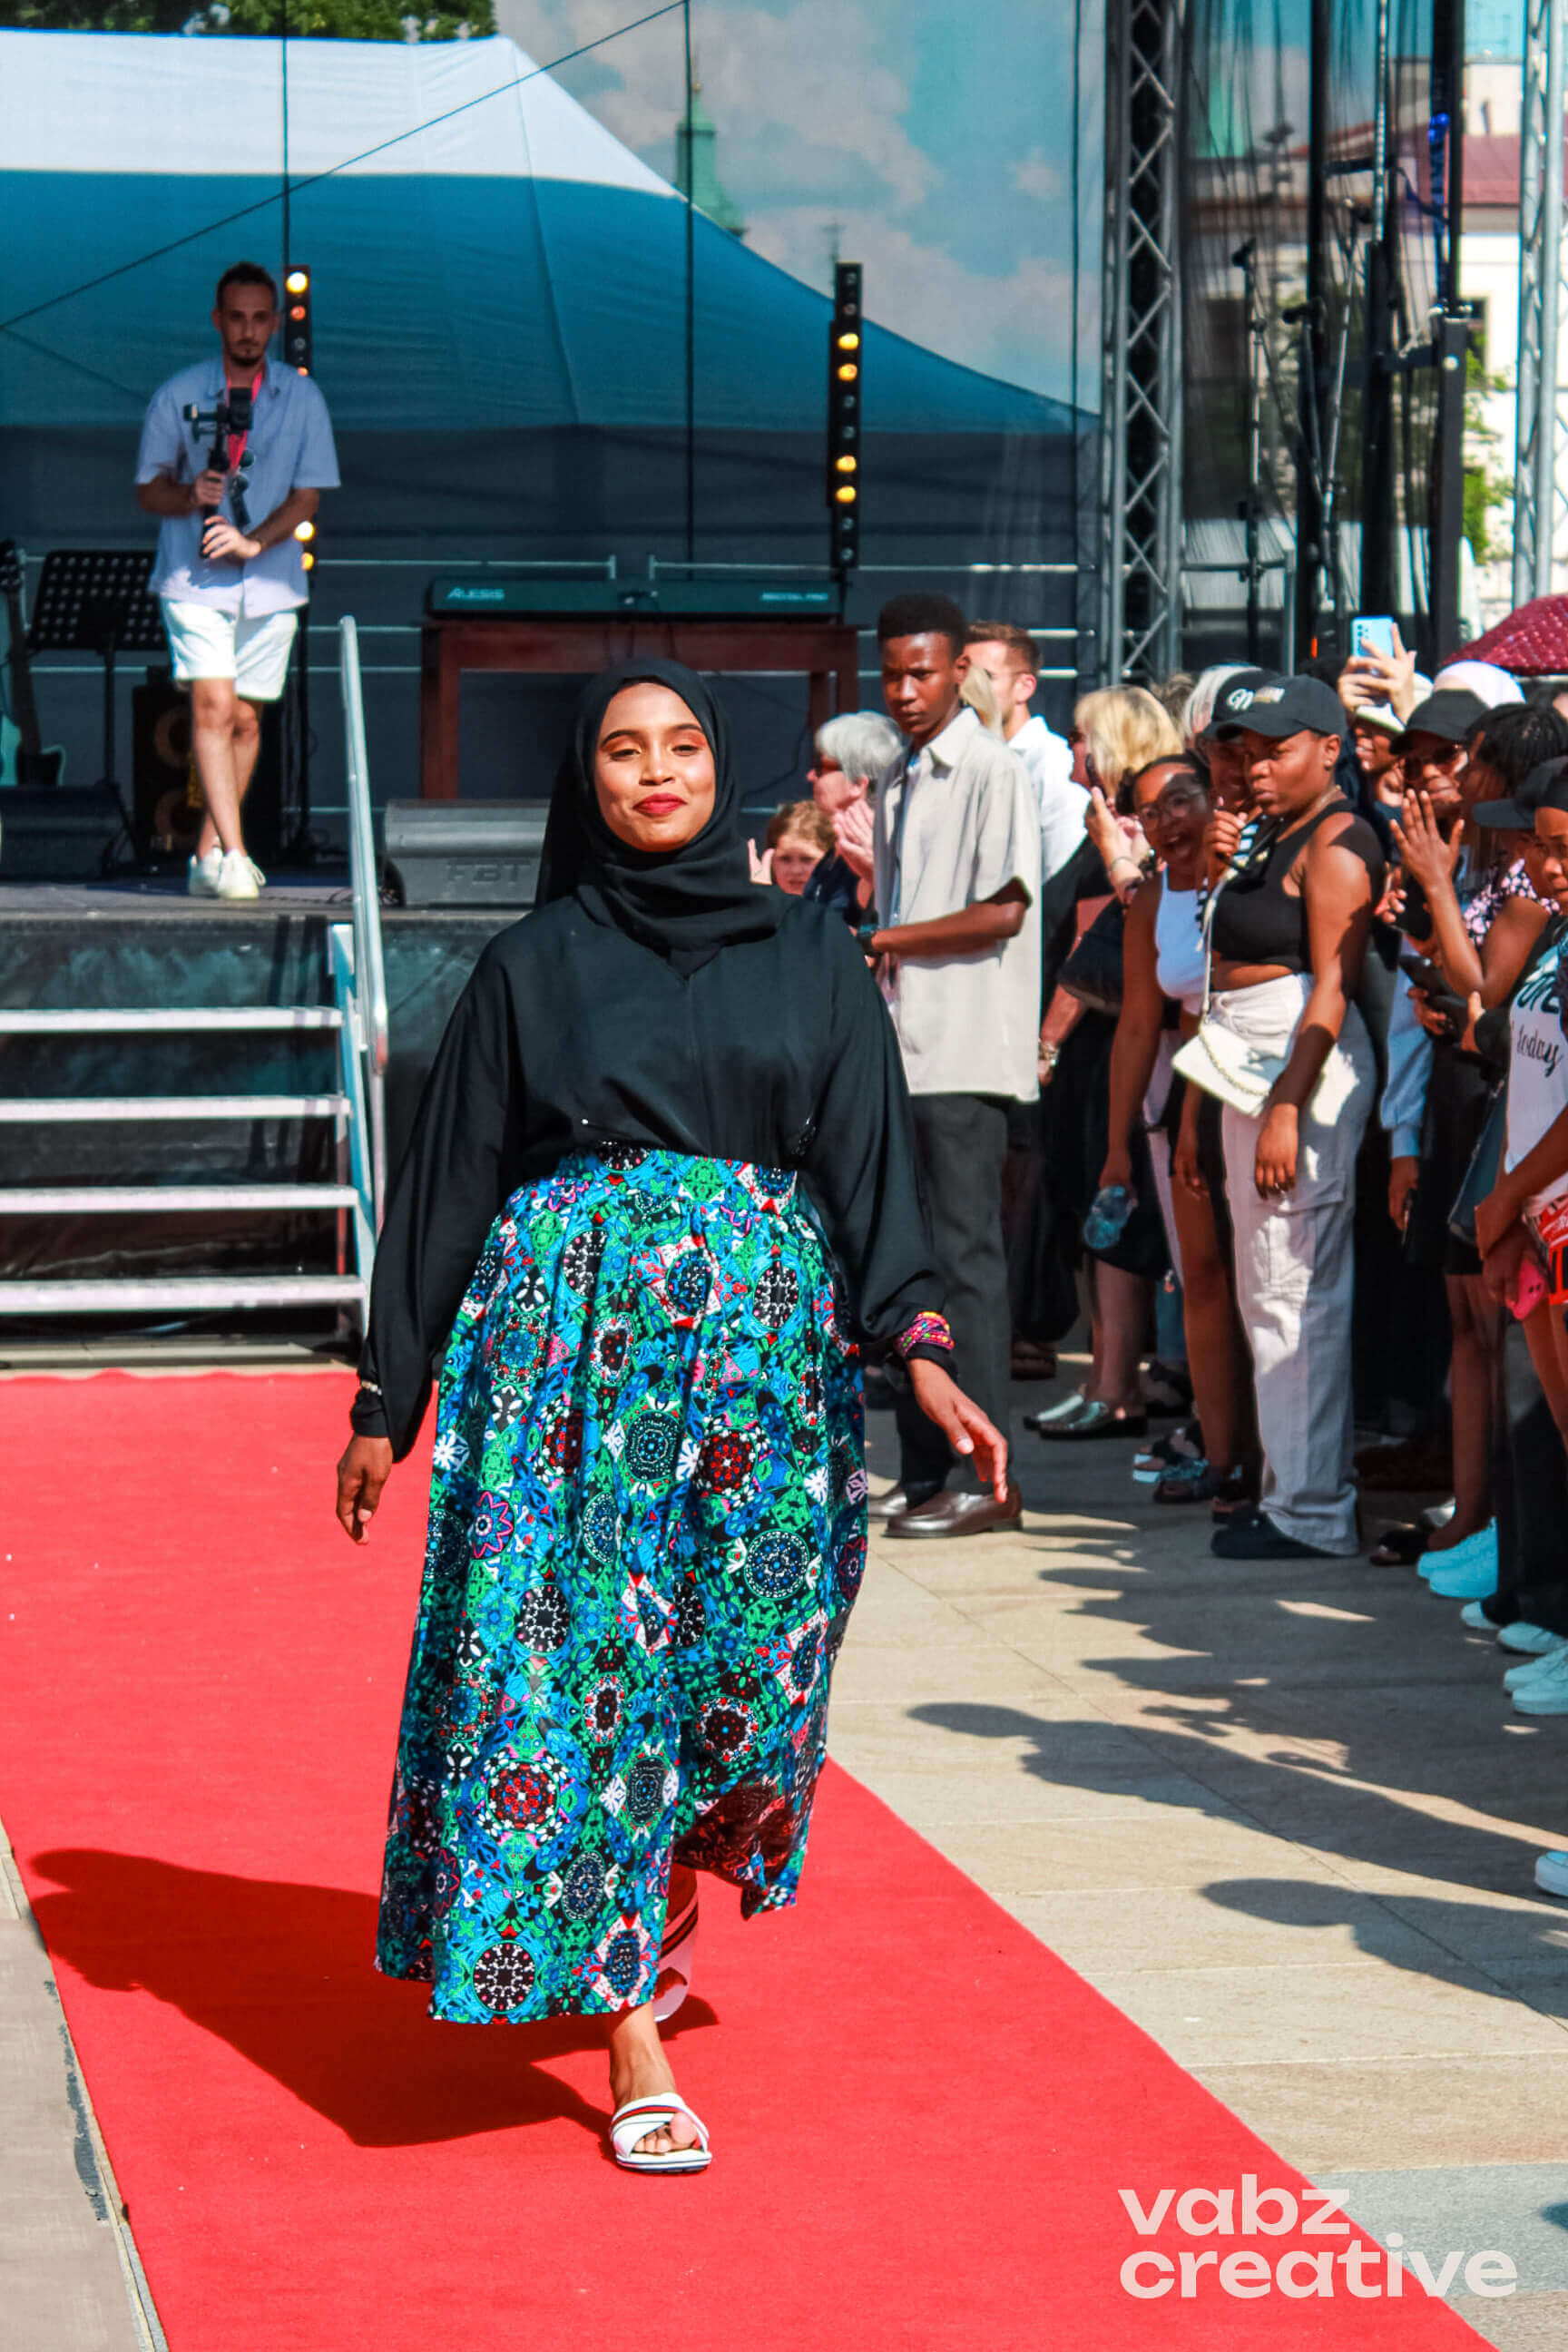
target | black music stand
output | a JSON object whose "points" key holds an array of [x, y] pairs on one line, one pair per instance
{"points": [[98, 600]]}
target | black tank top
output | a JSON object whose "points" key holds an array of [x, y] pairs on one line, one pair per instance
{"points": [[1257, 919]]}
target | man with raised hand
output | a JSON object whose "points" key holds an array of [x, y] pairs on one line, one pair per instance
{"points": [[1011, 660]]}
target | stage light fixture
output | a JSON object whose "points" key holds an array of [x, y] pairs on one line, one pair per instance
{"points": [[844, 416], [297, 320]]}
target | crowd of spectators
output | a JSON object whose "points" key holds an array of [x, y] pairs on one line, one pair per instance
{"points": [[1289, 1131]]}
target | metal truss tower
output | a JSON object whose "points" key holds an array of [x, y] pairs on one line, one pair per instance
{"points": [[1140, 416], [1540, 492]]}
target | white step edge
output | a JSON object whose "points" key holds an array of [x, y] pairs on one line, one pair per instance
{"points": [[52, 1109], [135, 1296], [106, 1023], [87, 1200]]}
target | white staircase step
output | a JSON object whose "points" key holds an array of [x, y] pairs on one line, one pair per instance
{"points": [[91, 1200], [189, 1293], [133, 1022], [82, 1110]]}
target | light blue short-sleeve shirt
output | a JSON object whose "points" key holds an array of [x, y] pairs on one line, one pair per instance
{"points": [[289, 448]]}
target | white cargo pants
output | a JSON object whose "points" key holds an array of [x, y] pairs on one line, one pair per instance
{"points": [[1295, 1270]]}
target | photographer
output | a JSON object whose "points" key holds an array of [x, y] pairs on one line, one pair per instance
{"points": [[229, 570]]}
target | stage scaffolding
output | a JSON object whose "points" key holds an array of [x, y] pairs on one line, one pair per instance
{"points": [[1275, 241], [1140, 436]]}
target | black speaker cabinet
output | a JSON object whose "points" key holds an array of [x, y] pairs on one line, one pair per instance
{"points": [[167, 801], [59, 834], [464, 853]]}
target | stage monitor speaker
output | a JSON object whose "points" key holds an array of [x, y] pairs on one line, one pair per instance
{"points": [[167, 808], [464, 853], [62, 832]]}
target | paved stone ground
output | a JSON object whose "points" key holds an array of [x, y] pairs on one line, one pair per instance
{"points": [[1282, 1817]]}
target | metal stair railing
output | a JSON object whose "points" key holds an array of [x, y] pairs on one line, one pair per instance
{"points": [[359, 977], [357, 1109]]}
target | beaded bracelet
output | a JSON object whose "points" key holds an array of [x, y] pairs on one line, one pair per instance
{"points": [[927, 1331]]}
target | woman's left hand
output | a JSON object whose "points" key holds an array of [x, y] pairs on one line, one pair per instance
{"points": [[961, 1421], [1274, 1170], [1495, 1217], [762, 866]]}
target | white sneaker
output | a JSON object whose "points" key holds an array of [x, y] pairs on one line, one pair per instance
{"points": [[238, 876], [1474, 1615], [1551, 1873], [1530, 1641], [202, 873], [1546, 1691], [1529, 1670]]}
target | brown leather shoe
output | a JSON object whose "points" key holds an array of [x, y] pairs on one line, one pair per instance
{"points": [[890, 1506], [955, 1513]]}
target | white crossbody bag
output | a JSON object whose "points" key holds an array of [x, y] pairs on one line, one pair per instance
{"points": [[1216, 1061]]}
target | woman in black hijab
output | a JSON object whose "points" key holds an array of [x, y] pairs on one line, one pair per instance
{"points": [[659, 1190]]}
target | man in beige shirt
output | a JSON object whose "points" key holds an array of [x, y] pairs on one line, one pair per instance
{"points": [[957, 853]]}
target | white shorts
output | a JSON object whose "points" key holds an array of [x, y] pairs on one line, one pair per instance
{"points": [[206, 643]]}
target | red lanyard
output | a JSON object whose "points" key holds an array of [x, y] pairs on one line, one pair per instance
{"points": [[237, 441]]}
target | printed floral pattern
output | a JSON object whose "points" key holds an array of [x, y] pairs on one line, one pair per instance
{"points": [[647, 1527]]}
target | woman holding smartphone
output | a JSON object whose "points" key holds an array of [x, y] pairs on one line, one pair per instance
{"points": [[1483, 922]]}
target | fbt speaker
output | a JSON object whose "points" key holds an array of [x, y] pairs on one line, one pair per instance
{"points": [[62, 833], [168, 804], [464, 853]]}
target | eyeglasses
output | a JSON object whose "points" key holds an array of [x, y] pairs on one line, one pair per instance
{"points": [[1416, 764]]}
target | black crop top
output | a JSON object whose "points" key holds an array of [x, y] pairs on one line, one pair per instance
{"points": [[1257, 919]]}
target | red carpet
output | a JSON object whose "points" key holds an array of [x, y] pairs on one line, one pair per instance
{"points": [[922, 2118]]}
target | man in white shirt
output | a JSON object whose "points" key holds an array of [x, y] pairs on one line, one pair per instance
{"points": [[1011, 660], [230, 572], [957, 862]]}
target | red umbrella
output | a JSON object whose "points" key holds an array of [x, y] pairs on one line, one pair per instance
{"points": [[1533, 642]]}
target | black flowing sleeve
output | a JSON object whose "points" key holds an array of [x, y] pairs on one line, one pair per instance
{"points": [[860, 1166], [444, 1199]]}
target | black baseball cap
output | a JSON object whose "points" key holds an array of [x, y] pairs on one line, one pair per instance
{"points": [[1287, 706], [1546, 786], [1236, 697], [1449, 714]]}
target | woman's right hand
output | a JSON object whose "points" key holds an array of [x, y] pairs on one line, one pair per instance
{"points": [[1117, 1171], [1423, 851], [852, 830], [1185, 1169], [1221, 836], [364, 1471]]}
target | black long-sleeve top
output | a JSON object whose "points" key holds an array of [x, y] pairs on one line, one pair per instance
{"points": [[777, 1051]]}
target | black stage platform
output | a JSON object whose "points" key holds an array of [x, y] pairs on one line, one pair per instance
{"points": [[114, 945]]}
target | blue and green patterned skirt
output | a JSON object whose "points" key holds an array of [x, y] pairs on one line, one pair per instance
{"points": [[647, 1525]]}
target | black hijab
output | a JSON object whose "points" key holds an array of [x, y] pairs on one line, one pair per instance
{"points": [[687, 903]]}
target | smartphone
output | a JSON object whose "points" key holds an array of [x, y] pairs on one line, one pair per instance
{"points": [[1424, 975], [1527, 1289], [1373, 633]]}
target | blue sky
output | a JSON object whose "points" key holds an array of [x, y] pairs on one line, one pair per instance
{"points": [[933, 143]]}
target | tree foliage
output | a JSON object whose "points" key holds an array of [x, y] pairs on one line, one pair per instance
{"points": [[318, 20]]}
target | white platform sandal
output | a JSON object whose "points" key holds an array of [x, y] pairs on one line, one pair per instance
{"points": [[640, 2117], [678, 1953]]}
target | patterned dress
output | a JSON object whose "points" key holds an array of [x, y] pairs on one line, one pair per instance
{"points": [[647, 1527]]}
